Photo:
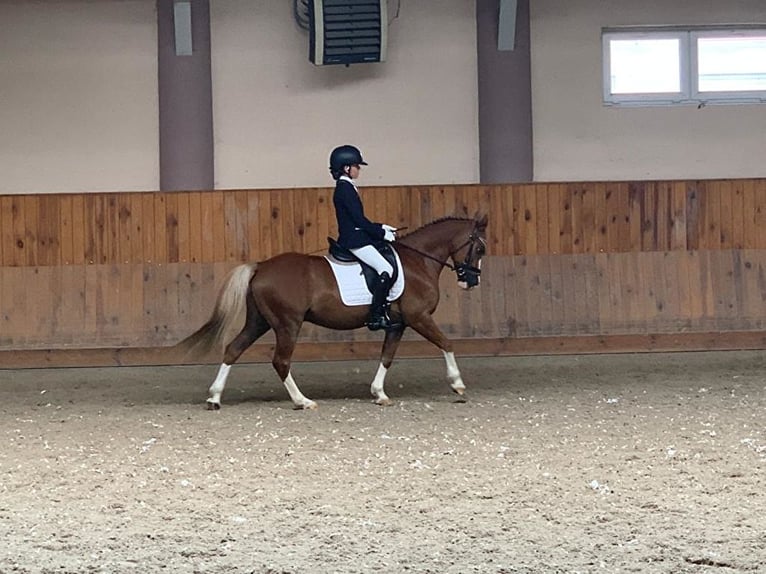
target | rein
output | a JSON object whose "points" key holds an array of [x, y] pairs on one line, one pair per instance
{"points": [[444, 263], [465, 271]]}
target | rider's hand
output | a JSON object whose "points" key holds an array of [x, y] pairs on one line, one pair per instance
{"points": [[389, 235], [387, 227]]}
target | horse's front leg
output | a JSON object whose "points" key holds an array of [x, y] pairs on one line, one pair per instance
{"points": [[390, 344], [425, 326]]}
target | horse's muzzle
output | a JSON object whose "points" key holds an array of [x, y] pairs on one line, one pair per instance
{"points": [[468, 274]]}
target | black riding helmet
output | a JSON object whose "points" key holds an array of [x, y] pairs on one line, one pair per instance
{"points": [[342, 156]]}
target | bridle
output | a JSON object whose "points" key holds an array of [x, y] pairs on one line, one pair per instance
{"points": [[466, 272]]}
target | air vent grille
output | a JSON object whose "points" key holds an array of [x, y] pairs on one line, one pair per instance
{"points": [[347, 31]]}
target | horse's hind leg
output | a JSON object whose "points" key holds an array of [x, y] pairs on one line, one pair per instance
{"points": [[255, 326], [286, 339], [425, 326], [390, 344]]}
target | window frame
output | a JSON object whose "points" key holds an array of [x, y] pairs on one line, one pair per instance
{"points": [[688, 66]]}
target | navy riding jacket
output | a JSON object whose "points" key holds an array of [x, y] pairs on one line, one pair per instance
{"points": [[354, 229]]}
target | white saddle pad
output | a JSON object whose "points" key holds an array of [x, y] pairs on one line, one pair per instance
{"points": [[353, 288]]}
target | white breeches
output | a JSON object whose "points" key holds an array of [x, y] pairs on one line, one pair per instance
{"points": [[374, 259]]}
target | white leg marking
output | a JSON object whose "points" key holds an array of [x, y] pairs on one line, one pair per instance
{"points": [[453, 373], [296, 395], [377, 387], [218, 385]]}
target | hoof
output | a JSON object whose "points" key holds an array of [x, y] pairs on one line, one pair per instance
{"points": [[309, 406], [213, 406], [461, 397], [383, 402]]}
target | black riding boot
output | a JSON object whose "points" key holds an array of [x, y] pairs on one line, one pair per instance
{"points": [[379, 308]]}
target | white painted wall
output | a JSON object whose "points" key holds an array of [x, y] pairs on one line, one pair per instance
{"points": [[277, 116], [577, 138], [78, 96]]}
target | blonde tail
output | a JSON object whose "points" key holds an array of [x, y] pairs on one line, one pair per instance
{"points": [[228, 315]]}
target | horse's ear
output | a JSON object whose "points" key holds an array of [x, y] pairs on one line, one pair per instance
{"points": [[481, 220]]}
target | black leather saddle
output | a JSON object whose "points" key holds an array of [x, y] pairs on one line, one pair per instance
{"points": [[370, 275]]}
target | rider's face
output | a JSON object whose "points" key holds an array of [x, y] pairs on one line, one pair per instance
{"points": [[353, 171]]}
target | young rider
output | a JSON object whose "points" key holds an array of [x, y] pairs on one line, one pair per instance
{"points": [[357, 233]]}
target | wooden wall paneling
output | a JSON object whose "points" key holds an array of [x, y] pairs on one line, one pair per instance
{"points": [[705, 288], [438, 204], [727, 214], [210, 234], [69, 305], [518, 228], [253, 225], [136, 227], [565, 220], [759, 219], [737, 214], [265, 223], [712, 210], [607, 297], [749, 215], [678, 233], [196, 231], [664, 215], [601, 241], [581, 319], [576, 212], [635, 209], [161, 255], [570, 325], [618, 310], [173, 226], [593, 294], [666, 273], [49, 244], [648, 206], [235, 207], [502, 231], [735, 269], [588, 224], [93, 219], [534, 296], [325, 223], [134, 283], [651, 289], [31, 228], [556, 294], [148, 228], [18, 216], [694, 215], [614, 217], [494, 294], [7, 240], [183, 216], [514, 314], [277, 222], [9, 281], [554, 193], [124, 230], [624, 221], [183, 282], [542, 215], [112, 227], [753, 288], [311, 207], [529, 219]]}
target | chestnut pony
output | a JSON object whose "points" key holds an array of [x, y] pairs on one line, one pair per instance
{"points": [[288, 289]]}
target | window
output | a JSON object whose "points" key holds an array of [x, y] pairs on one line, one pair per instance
{"points": [[666, 66]]}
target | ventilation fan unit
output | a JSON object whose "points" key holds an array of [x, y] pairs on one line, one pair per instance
{"points": [[347, 31]]}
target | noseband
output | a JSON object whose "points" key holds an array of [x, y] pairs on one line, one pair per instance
{"points": [[465, 271]]}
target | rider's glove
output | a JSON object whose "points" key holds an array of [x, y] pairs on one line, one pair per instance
{"points": [[387, 227], [389, 235]]}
